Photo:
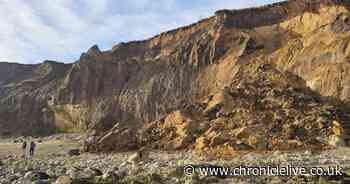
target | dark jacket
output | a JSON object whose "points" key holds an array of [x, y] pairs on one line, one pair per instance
{"points": [[32, 146]]}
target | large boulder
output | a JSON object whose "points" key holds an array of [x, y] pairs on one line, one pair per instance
{"points": [[119, 138]]}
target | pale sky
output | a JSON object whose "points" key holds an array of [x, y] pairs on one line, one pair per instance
{"points": [[35, 30]]}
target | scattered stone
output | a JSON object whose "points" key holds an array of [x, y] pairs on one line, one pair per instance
{"points": [[5, 181], [64, 180], [73, 152], [42, 182], [140, 156], [94, 171], [33, 176]]}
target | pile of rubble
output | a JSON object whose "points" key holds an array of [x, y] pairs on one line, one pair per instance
{"points": [[262, 109]]}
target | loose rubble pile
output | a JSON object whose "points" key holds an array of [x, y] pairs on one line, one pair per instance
{"points": [[262, 109]]}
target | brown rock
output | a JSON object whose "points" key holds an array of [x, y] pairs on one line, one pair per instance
{"points": [[337, 128], [201, 143], [241, 132], [336, 141], [177, 131], [294, 143], [117, 139]]}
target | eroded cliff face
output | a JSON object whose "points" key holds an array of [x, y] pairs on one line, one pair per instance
{"points": [[142, 81], [26, 92], [320, 51]]}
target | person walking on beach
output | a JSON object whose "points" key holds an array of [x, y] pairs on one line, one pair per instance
{"points": [[24, 148], [32, 148]]}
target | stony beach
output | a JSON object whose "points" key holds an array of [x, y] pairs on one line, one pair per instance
{"points": [[56, 163]]}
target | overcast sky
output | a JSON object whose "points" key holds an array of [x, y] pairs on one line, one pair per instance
{"points": [[35, 30]]}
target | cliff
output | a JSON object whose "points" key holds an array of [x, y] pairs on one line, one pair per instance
{"points": [[142, 81]]}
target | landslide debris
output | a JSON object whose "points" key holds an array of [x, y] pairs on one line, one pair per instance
{"points": [[262, 109]]}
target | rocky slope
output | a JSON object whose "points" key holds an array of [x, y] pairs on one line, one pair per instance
{"points": [[262, 109], [305, 44]]}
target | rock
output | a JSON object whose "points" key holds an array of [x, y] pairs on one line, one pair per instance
{"points": [[201, 143], [94, 171], [276, 180], [215, 105], [51, 172], [108, 175], [36, 175], [5, 181], [41, 182], [294, 143], [241, 132], [211, 179], [134, 158], [16, 141], [121, 138], [83, 174], [73, 173], [346, 171], [113, 175], [12, 178], [182, 123], [29, 175], [337, 128], [336, 141], [64, 180], [73, 152], [176, 131], [121, 173], [242, 146]]}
